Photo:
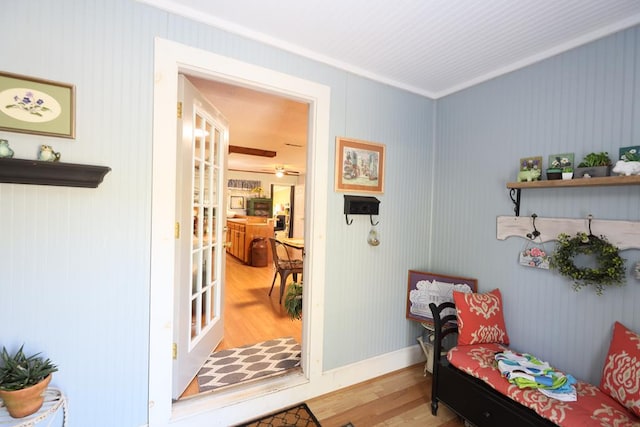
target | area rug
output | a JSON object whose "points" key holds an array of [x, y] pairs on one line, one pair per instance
{"points": [[298, 416], [247, 363]]}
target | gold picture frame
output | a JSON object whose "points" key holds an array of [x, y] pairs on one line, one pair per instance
{"points": [[359, 166], [37, 106]]}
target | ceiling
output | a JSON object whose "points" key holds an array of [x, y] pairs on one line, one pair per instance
{"points": [[260, 121], [429, 47]]}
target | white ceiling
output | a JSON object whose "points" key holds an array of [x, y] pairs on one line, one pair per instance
{"points": [[429, 47]]}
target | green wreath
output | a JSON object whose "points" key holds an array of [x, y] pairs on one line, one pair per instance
{"points": [[611, 269]]}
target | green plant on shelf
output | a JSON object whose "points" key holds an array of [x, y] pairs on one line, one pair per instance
{"points": [[595, 159]]}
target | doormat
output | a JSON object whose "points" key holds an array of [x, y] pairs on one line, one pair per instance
{"points": [[298, 416], [250, 362]]}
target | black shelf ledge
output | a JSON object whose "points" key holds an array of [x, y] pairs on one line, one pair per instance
{"points": [[20, 171]]}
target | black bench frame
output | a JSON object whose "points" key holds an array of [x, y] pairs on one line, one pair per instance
{"points": [[467, 396]]}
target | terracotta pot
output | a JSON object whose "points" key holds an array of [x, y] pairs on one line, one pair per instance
{"points": [[21, 403]]}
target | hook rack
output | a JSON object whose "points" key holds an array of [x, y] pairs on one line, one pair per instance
{"points": [[623, 234], [535, 233], [360, 205]]}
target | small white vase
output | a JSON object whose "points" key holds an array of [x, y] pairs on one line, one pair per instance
{"points": [[567, 175]]}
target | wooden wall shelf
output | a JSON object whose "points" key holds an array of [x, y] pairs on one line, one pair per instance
{"points": [[579, 182], [517, 187], [21, 171]]}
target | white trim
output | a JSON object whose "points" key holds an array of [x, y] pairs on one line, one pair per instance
{"points": [[278, 398], [171, 58]]}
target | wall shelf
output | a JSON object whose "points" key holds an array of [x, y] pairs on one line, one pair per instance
{"points": [[516, 187], [21, 171]]}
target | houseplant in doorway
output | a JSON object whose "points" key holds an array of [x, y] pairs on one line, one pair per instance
{"points": [[293, 301], [23, 380]]}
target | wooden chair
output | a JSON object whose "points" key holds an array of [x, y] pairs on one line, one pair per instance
{"points": [[284, 264]]}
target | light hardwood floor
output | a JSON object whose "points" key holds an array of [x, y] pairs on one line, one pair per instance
{"points": [[401, 398], [251, 315]]}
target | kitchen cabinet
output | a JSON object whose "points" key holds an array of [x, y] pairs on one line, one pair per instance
{"points": [[242, 231]]}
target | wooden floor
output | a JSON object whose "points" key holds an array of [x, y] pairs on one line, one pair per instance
{"points": [[401, 398], [251, 315]]}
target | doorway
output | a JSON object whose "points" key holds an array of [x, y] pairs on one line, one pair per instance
{"points": [[259, 123], [170, 59]]}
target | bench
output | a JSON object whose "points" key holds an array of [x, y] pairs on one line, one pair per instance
{"points": [[468, 382]]}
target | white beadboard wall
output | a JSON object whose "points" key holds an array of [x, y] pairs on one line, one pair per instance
{"points": [[581, 101]]}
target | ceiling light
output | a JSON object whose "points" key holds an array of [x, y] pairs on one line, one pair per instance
{"points": [[280, 172]]}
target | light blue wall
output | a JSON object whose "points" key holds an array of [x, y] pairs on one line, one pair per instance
{"points": [[74, 263], [581, 101]]}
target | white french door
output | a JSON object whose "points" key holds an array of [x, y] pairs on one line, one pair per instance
{"points": [[199, 264]]}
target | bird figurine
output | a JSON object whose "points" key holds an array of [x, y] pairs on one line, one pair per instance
{"points": [[47, 154], [5, 150]]}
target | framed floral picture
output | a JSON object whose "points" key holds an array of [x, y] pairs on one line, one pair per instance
{"points": [[424, 288], [629, 154], [359, 166], [36, 106], [561, 161], [531, 163]]}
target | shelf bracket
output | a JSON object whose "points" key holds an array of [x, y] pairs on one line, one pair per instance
{"points": [[514, 193]]}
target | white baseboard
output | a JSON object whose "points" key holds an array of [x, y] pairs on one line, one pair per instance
{"points": [[269, 397]]}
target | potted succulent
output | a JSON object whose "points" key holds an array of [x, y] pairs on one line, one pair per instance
{"points": [[23, 380], [293, 301], [594, 165], [567, 172]]}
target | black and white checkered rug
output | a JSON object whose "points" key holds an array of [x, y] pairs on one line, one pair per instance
{"points": [[235, 365]]}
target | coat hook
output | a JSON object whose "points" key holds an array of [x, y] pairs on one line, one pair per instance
{"points": [[535, 233], [346, 217], [371, 219]]}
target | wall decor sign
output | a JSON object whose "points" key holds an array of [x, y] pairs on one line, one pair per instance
{"points": [[359, 166], [36, 106], [424, 288], [236, 202]]}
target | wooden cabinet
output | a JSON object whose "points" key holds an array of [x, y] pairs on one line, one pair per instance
{"points": [[240, 234]]}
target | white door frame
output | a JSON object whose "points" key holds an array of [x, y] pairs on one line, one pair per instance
{"points": [[170, 58]]}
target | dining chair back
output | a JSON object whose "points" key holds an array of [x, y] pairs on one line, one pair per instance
{"points": [[285, 263]]}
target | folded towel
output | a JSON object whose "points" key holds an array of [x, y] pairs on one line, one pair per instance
{"points": [[526, 371]]}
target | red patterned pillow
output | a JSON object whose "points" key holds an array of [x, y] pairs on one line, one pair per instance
{"points": [[621, 373], [480, 319]]}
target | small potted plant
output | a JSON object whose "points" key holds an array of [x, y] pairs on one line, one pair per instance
{"points": [[293, 301], [23, 380], [567, 172], [594, 165]]}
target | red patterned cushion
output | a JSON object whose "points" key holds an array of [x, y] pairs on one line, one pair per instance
{"points": [[480, 318], [621, 373], [593, 407]]}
